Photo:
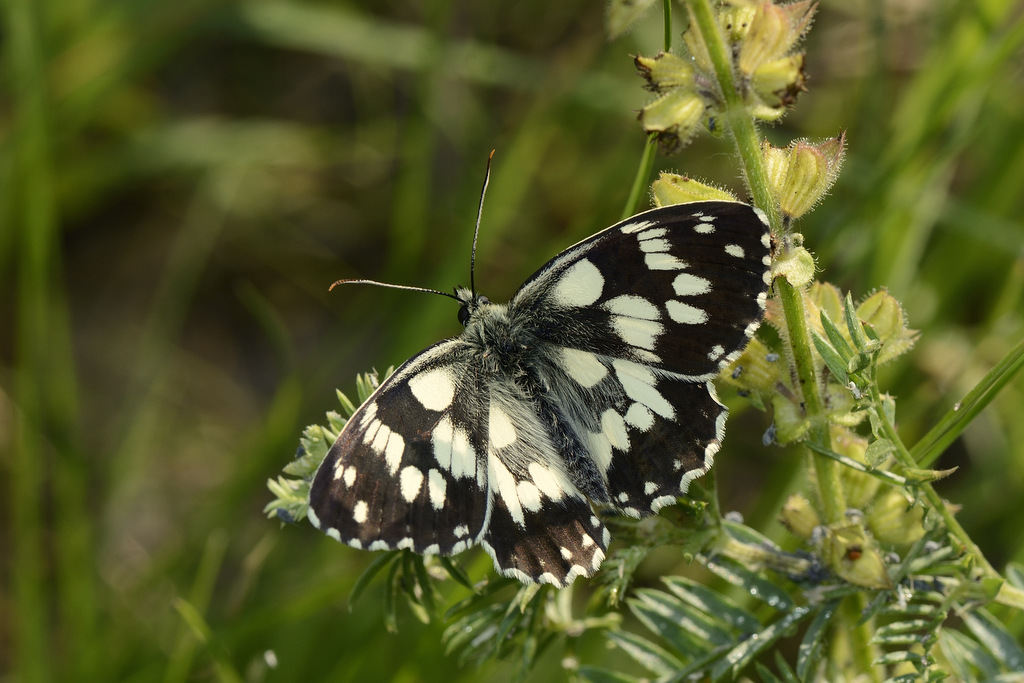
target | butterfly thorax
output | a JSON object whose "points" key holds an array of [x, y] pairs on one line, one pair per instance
{"points": [[504, 347]]}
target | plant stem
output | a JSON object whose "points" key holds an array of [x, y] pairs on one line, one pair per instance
{"points": [[748, 147], [1008, 595], [640, 181]]}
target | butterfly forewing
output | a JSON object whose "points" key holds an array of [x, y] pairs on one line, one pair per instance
{"points": [[593, 385], [678, 288]]}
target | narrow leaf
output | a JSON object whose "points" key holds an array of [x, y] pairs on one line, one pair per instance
{"points": [[809, 653], [741, 655], [654, 658], [994, 636]]}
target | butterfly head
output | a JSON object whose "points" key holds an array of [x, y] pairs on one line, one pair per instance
{"points": [[470, 302]]}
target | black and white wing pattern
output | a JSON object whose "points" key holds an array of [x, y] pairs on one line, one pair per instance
{"points": [[592, 386]]}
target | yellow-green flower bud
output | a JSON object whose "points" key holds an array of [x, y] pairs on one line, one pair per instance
{"points": [[894, 520], [885, 314], [799, 517], [803, 173], [674, 117], [670, 189], [779, 81], [665, 71], [772, 32], [852, 554]]}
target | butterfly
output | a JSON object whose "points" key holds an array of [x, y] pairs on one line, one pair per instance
{"points": [[592, 386]]}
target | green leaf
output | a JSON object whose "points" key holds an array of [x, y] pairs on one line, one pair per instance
{"points": [[832, 359], [953, 423], [968, 658], [994, 636], [712, 602], [598, 675], [878, 451], [755, 585], [654, 658], [809, 653], [835, 337], [380, 562], [741, 655]]}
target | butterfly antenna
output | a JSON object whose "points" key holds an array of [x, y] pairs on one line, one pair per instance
{"points": [[476, 232], [387, 284]]}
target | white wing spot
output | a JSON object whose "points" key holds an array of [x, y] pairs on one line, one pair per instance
{"points": [[686, 284], [632, 306], [614, 429], [434, 389], [587, 541], [371, 431], [350, 476], [637, 332], [685, 313], [441, 439], [334, 533], [623, 497], [503, 483], [551, 483], [393, 451], [437, 485], [502, 432], [640, 416], [529, 495], [639, 384], [716, 352], [566, 553], [654, 246], [580, 285], [653, 233], [662, 261], [650, 487], [411, 481], [360, 512], [461, 530], [636, 227], [380, 441], [583, 366], [704, 228], [600, 450], [734, 250], [405, 544]]}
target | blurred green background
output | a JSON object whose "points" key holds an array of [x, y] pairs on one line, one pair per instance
{"points": [[180, 181]]}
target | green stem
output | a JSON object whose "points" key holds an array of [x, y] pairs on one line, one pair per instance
{"points": [[643, 173], [1008, 594], [666, 6], [748, 147]]}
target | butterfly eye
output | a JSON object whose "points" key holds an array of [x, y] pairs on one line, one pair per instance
{"points": [[464, 314]]}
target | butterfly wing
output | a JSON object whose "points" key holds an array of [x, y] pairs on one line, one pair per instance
{"points": [[442, 457], [409, 468], [632, 324]]}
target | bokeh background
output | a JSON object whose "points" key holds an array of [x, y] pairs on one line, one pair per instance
{"points": [[180, 181]]}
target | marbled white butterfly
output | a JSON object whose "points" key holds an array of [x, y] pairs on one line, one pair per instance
{"points": [[593, 385]]}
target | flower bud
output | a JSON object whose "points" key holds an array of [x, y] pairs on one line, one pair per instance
{"points": [[801, 174], [670, 189], [665, 71], [674, 117]]}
